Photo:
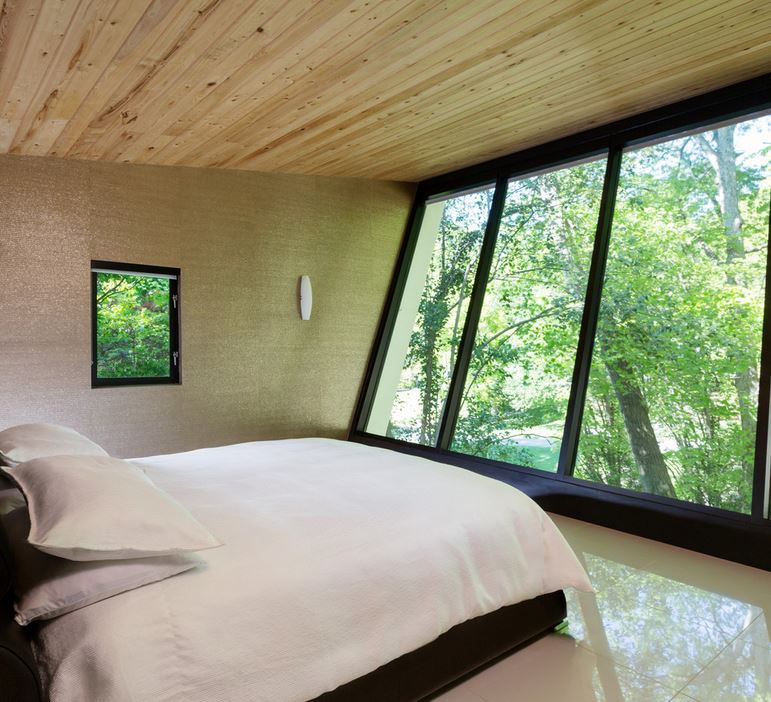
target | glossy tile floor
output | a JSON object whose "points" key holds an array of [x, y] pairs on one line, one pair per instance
{"points": [[664, 624]]}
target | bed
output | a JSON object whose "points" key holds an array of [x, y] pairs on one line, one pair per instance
{"points": [[348, 573]]}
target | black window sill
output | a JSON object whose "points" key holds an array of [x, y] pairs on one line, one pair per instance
{"points": [[122, 382]]}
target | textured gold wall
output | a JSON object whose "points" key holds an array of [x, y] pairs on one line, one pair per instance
{"points": [[250, 368]]}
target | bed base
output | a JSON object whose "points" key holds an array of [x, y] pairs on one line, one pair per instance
{"points": [[461, 651], [415, 676], [19, 681], [18, 675]]}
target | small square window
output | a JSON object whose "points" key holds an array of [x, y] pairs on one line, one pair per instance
{"points": [[135, 324]]}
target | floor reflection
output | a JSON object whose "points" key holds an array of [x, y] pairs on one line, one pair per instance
{"points": [[664, 624]]}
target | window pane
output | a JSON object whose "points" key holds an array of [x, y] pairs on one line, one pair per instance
{"points": [[518, 384], [673, 388], [421, 355], [132, 326]]}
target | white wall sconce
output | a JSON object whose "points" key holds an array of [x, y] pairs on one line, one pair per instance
{"points": [[306, 297]]}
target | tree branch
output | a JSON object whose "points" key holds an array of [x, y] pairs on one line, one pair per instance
{"points": [[111, 291], [509, 329], [546, 313]]}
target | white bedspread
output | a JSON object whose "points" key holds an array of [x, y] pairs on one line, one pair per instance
{"points": [[338, 558]]}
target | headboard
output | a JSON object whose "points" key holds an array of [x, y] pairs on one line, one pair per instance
{"points": [[18, 672]]}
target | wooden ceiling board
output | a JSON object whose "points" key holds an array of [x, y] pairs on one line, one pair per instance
{"points": [[164, 77], [406, 83], [340, 68], [478, 76], [555, 122], [402, 90], [515, 102], [74, 67], [89, 88], [275, 67]]}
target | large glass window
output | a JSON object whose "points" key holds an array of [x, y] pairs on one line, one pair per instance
{"points": [[621, 325], [424, 344], [135, 324], [673, 391], [518, 383]]}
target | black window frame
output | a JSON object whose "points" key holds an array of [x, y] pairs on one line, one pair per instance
{"points": [[175, 356], [744, 538]]}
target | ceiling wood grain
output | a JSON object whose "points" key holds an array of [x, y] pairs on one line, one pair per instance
{"points": [[395, 89]]}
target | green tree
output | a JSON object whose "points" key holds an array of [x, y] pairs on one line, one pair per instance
{"points": [[441, 313], [672, 398], [132, 315]]}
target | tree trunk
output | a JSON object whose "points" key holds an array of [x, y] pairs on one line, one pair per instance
{"points": [[722, 157], [645, 448], [427, 410], [642, 439], [728, 195]]}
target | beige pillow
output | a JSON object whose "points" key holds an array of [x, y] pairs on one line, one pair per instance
{"points": [[46, 586], [89, 508], [27, 441]]}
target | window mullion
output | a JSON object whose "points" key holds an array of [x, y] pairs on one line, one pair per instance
{"points": [[590, 316], [761, 480], [466, 345]]}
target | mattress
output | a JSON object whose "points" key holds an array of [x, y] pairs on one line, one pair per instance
{"points": [[338, 558]]}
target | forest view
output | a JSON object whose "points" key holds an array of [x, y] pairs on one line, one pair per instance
{"points": [[132, 326], [673, 388]]}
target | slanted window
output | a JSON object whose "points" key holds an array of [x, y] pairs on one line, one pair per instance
{"points": [[517, 388], [672, 399], [135, 324], [617, 330], [421, 358]]}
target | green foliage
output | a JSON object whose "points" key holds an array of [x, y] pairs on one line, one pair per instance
{"points": [[672, 396], [518, 384], [684, 311], [439, 324], [132, 326]]}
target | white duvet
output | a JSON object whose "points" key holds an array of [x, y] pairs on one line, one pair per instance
{"points": [[338, 558]]}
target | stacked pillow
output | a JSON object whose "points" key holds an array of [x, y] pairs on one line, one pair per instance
{"points": [[93, 526], [27, 441]]}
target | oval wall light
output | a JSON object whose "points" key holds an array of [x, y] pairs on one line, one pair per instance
{"points": [[306, 297]]}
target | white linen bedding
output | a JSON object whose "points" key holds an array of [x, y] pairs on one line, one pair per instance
{"points": [[338, 558]]}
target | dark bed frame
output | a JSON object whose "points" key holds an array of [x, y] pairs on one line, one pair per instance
{"points": [[415, 676]]}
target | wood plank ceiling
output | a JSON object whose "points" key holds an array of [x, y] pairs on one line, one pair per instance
{"points": [[396, 89]]}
